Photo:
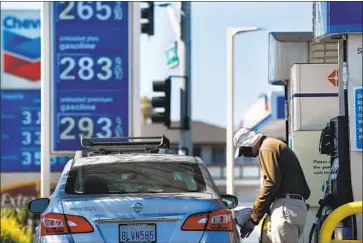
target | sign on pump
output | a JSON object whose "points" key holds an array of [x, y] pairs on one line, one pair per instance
{"points": [[358, 119]]}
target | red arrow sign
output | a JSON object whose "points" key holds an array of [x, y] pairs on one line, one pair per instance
{"points": [[333, 78]]}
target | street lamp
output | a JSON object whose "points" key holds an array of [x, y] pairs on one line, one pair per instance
{"points": [[231, 33]]}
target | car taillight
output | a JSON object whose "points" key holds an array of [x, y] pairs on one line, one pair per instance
{"points": [[57, 224], [219, 220]]}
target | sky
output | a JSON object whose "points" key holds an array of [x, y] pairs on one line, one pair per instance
{"points": [[210, 21]]}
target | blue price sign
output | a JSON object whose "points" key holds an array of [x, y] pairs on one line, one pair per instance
{"points": [[20, 132], [337, 17], [358, 113], [90, 78]]}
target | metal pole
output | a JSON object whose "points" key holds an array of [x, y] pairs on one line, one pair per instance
{"points": [[231, 32], [229, 103], [174, 21], [45, 103], [186, 70], [340, 77]]}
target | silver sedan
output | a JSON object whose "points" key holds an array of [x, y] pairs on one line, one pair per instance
{"points": [[136, 198]]}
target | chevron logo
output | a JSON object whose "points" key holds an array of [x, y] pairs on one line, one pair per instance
{"points": [[21, 55], [21, 68], [333, 78]]}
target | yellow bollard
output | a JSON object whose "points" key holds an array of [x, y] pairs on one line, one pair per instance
{"points": [[335, 218]]}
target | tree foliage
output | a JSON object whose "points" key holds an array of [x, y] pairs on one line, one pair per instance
{"points": [[13, 226]]}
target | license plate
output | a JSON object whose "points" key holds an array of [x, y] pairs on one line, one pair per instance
{"points": [[139, 233]]}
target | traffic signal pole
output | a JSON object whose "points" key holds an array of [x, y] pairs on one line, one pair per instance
{"points": [[182, 30], [185, 50]]}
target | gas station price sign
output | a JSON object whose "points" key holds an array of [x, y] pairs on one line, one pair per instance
{"points": [[90, 71], [20, 132]]}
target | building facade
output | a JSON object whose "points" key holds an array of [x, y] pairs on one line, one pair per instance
{"points": [[209, 143]]}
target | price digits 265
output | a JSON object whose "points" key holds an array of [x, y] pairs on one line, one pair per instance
{"points": [[86, 127], [85, 11]]}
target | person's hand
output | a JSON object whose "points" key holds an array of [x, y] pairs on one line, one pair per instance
{"points": [[247, 229]]}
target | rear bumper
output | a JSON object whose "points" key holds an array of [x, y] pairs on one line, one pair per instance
{"points": [[55, 239], [208, 237], [220, 237]]}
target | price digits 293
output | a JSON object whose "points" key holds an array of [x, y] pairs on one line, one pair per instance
{"points": [[85, 127]]}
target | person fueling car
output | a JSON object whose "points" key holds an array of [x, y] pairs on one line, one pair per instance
{"points": [[283, 191]]}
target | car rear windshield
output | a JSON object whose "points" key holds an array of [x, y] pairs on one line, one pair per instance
{"points": [[143, 177]]}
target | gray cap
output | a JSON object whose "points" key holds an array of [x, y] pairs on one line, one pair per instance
{"points": [[245, 137]]}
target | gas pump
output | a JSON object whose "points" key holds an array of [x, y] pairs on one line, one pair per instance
{"points": [[336, 43], [305, 69], [337, 189], [340, 138]]}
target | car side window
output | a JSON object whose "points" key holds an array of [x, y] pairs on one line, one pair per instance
{"points": [[63, 178], [209, 180]]}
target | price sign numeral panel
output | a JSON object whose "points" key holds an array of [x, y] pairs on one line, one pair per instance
{"points": [[30, 138], [86, 68], [85, 11], [30, 117], [90, 72], [73, 128], [29, 158], [20, 132]]}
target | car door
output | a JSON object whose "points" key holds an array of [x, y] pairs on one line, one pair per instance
{"points": [[235, 235]]}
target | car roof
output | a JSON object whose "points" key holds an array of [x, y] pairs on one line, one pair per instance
{"points": [[123, 158]]}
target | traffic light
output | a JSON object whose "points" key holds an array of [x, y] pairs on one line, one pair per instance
{"points": [[161, 102], [147, 18]]}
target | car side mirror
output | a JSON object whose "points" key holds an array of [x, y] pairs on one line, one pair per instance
{"points": [[39, 205], [230, 201]]}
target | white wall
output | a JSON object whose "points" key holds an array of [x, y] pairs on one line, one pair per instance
{"points": [[355, 79]]}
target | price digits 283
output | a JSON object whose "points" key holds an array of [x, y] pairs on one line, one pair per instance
{"points": [[86, 127], [87, 68]]}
